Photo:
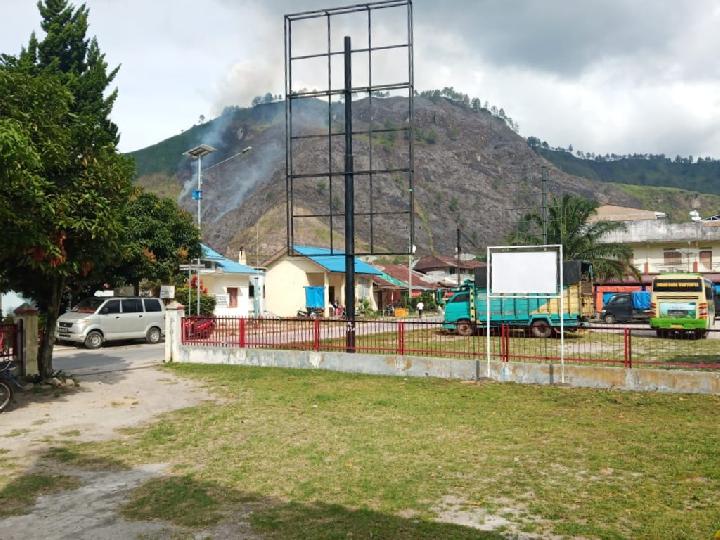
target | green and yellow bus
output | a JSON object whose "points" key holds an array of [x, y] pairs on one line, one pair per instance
{"points": [[682, 302]]}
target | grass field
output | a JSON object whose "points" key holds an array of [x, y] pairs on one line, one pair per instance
{"points": [[329, 455]]}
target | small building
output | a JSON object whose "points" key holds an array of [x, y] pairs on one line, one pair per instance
{"points": [[237, 288], [289, 279], [394, 282], [444, 270]]}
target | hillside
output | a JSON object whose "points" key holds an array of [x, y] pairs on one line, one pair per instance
{"points": [[471, 169], [701, 176]]}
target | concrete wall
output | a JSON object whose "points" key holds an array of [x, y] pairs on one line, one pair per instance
{"points": [[448, 368], [650, 257]]}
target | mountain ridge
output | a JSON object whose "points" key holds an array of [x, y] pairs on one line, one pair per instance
{"points": [[471, 170]]}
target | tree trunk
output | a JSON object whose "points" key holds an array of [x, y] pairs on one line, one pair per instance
{"points": [[47, 341]]}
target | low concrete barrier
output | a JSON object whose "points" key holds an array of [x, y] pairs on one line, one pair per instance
{"points": [[658, 380]]}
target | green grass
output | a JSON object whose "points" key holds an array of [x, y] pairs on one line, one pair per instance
{"points": [[19, 494], [330, 455], [179, 500]]}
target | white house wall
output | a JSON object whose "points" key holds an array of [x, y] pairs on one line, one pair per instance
{"points": [[218, 283]]}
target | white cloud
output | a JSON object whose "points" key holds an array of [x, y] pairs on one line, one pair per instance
{"points": [[605, 76]]}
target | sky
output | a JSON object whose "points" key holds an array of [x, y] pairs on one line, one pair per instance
{"points": [[601, 75]]}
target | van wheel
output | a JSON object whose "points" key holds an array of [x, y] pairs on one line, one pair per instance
{"points": [[93, 340], [464, 328], [609, 319], [540, 329], [153, 335]]}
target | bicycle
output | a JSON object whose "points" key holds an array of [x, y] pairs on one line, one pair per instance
{"points": [[7, 382]]}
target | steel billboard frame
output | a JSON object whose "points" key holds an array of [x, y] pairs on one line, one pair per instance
{"points": [[291, 96]]}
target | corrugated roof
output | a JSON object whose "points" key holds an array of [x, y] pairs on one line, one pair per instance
{"points": [[228, 266], [332, 261]]}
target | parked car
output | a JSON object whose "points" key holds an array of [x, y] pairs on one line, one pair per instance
{"points": [[95, 320], [627, 307]]}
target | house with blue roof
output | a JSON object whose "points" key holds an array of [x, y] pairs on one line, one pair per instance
{"points": [[314, 277], [237, 288]]}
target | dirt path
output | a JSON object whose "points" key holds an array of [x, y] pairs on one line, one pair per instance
{"points": [[95, 410]]}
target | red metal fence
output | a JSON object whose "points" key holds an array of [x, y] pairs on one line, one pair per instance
{"points": [[8, 341], [631, 347]]}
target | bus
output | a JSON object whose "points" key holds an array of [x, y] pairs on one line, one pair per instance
{"points": [[682, 303]]}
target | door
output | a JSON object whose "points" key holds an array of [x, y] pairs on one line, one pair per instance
{"points": [[154, 315], [132, 318], [621, 307], [232, 297], [110, 323]]}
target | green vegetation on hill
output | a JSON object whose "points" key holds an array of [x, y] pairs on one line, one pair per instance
{"points": [[165, 157], [676, 203], [646, 170]]}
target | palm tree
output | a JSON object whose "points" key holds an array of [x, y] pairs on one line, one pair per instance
{"points": [[569, 224]]}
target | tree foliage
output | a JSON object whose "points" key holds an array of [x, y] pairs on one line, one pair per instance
{"points": [[157, 237], [63, 184], [569, 224]]}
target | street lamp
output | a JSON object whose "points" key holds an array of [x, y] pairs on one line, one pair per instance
{"points": [[198, 153]]}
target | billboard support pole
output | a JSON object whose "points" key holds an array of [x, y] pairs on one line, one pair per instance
{"points": [[349, 206], [488, 314], [562, 318]]}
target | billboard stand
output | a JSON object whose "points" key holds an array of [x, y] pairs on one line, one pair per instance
{"points": [[525, 272]]}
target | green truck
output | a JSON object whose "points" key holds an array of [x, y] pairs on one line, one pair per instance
{"points": [[466, 310]]}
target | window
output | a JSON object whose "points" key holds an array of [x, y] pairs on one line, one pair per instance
{"points": [[331, 293], [132, 305], [113, 306], [672, 257], [463, 297], [251, 291], [232, 297], [619, 300], [152, 305], [88, 305], [706, 260]]}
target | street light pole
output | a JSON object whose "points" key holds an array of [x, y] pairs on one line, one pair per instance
{"points": [[197, 153]]}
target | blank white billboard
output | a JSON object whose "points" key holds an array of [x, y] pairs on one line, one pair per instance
{"points": [[524, 272]]}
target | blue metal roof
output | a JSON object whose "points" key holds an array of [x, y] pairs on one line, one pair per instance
{"points": [[228, 266], [334, 261]]}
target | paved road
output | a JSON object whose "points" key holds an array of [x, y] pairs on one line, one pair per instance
{"points": [[111, 357]]}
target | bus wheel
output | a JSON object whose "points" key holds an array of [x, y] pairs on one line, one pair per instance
{"points": [[464, 328], [700, 334], [540, 329], [661, 333]]}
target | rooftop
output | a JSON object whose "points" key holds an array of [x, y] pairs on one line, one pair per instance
{"points": [[223, 263], [334, 260], [430, 262]]}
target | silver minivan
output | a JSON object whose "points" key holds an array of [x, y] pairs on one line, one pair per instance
{"points": [[98, 319]]}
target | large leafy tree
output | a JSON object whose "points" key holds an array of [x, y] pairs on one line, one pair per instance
{"points": [[570, 224], [63, 184], [157, 237]]}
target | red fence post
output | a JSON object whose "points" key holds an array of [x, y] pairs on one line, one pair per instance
{"points": [[506, 329], [316, 335], [401, 338], [629, 348], [242, 338], [626, 347]]}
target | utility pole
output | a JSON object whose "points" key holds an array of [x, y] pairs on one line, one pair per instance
{"points": [[457, 249], [349, 206], [543, 184]]}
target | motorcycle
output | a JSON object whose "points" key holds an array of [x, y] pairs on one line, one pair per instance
{"points": [[311, 313]]}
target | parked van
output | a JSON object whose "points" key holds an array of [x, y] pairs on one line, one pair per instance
{"points": [[96, 320]]}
